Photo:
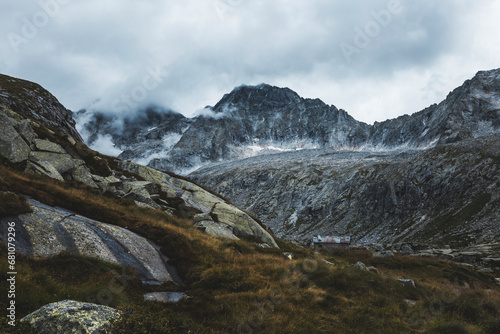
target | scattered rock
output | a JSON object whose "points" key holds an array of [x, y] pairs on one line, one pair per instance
{"points": [[407, 282], [70, 316], [213, 213], [409, 302], [497, 280], [373, 270], [165, 297], [486, 271], [241, 224], [384, 254], [360, 265]]}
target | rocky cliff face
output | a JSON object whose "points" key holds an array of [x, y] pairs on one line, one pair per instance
{"points": [[445, 195], [254, 120], [33, 101]]}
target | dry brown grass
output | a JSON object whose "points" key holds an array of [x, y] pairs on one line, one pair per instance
{"points": [[239, 286]]}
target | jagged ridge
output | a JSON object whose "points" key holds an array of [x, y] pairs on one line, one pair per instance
{"points": [[252, 120]]}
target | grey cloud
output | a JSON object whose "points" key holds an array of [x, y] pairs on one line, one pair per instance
{"points": [[102, 50]]}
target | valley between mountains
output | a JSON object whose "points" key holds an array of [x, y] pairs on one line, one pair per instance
{"points": [[204, 224]]}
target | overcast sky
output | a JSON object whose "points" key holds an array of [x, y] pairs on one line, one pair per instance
{"points": [[377, 59]]}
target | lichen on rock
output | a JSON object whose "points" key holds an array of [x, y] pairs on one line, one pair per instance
{"points": [[70, 316]]}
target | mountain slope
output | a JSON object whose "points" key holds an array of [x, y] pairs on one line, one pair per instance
{"points": [[471, 110], [445, 195]]}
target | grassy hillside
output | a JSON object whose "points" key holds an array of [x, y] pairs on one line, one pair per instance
{"points": [[236, 286]]}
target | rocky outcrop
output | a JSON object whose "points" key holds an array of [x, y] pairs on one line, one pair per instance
{"points": [[70, 316], [49, 231], [149, 187], [33, 101], [446, 195], [209, 211], [19, 143]]}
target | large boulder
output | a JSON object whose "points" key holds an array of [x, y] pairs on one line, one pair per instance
{"points": [[70, 316], [49, 231], [43, 167], [83, 174], [48, 146], [12, 145], [62, 162]]}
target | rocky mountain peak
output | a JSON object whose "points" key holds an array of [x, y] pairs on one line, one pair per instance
{"points": [[244, 98]]}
